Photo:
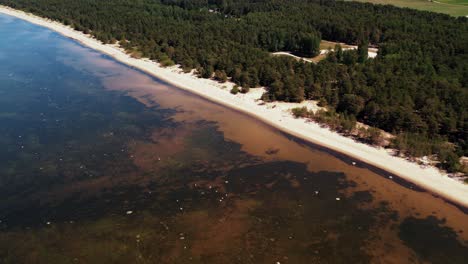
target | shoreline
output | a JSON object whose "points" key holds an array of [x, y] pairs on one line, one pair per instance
{"points": [[276, 114]]}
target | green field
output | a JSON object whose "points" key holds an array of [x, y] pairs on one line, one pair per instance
{"points": [[450, 7], [455, 2]]}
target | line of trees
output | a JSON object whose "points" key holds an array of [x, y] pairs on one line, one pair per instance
{"points": [[415, 87]]}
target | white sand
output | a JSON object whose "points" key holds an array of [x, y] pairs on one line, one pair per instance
{"points": [[285, 53], [371, 53], [428, 178]]}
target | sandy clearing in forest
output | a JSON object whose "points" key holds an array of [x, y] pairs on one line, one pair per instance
{"points": [[371, 53]]}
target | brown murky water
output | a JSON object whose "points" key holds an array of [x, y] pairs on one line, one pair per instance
{"points": [[138, 171]]}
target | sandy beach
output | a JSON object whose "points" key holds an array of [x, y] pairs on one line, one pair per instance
{"points": [[276, 114]]}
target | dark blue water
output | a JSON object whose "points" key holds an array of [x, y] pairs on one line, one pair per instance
{"points": [[100, 163]]}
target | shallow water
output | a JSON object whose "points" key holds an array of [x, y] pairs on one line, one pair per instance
{"points": [[100, 163]]}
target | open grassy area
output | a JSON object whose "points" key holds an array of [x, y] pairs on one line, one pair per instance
{"points": [[324, 44], [455, 2], [450, 7]]}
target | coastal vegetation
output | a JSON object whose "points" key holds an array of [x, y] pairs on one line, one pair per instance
{"points": [[415, 88], [345, 125]]}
